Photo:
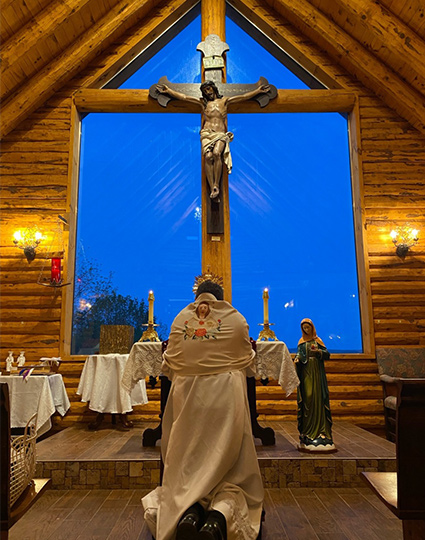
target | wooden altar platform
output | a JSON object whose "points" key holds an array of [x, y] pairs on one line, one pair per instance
{"points": [[76, 458]]}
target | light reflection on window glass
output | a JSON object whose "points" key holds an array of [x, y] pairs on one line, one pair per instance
{"points": [[291, 212], [292, 226], [138, 211], [247, 61], [178, 60]]}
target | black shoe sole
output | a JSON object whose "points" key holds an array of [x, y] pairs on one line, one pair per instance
{"points": [[206, 535], [209, 534], [186, 531]]}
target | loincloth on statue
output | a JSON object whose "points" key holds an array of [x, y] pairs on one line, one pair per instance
{"points": [[208, 140]]}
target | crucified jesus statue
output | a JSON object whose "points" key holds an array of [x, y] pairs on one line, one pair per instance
{"points": [[214, 135]]}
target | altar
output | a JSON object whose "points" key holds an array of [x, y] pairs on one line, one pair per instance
{"points": [[272, 361], [100, 387], [41, 394]]}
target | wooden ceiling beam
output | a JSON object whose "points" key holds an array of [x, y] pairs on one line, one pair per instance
{"points": [[39, 27], [406, 101], [411, 13], [4, 4], [158, 21], [15, 66], [47, 81], [128, 100], [267, 21], [374, 22]]}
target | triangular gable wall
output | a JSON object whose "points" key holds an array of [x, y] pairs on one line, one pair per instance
{"points": [[175, 56], [391, 72]]}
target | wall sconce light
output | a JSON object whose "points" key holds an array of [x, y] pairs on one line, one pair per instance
{"points": [[28, 239], [404, 238], [53, 256]]}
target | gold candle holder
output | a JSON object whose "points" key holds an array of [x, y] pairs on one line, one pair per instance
{"points": [[266, 333], [151, 299], [150, 334]]}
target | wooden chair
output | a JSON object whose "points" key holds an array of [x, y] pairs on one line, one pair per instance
{"points": [[404, 491], [395, 363], [10, 514]]}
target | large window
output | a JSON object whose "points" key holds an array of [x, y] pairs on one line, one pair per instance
{"points": [[139, 215], [138, 218], [292, 226]]}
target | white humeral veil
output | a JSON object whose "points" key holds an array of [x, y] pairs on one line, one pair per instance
{"points": [[207, 444]]}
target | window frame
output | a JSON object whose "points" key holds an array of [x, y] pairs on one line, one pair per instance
{"points": [[108, 100]]}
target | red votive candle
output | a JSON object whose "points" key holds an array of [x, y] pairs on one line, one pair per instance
{"points": [[55, 276]]}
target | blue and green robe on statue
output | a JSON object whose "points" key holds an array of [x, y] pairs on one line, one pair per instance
{"points": [[314, 414]]}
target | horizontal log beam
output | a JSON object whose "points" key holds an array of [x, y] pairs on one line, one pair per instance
{"points": [[346, 407], [138, 416], [17, 330], [92, 100], [336, 392]]}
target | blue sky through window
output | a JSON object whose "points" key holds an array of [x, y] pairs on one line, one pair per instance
{"points": [[292, 226], [247, 61], [140, 191], [178, 60]]}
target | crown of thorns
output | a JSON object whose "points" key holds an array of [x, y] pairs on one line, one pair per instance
{"points": [[206, 84]]}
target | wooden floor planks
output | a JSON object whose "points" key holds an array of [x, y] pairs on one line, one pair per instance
{"points": [[291, 514]]}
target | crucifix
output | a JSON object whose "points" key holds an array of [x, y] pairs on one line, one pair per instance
{"points": [[213, 97]]}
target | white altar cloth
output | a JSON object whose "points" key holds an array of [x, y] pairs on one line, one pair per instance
{"points": [[272, 361], [100, 384], [41, 394]]}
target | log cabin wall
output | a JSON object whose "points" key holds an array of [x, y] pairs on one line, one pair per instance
{"points": [[34, 184]]}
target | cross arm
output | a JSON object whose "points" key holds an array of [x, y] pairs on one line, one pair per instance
{"points": [[261, 88], [164, 91]]}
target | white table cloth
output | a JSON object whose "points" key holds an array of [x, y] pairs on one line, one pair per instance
{"points": [[100, 384], [41, 394], [272, 361]]}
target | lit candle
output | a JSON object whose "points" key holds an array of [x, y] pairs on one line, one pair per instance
{"points": [[55, 275], [266, 305], [151, 298]]}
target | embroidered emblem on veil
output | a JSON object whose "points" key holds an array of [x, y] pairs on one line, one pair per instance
{"points": [[201, 329]]}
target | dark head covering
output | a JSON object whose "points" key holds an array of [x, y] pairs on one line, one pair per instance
{"points": [[212, 288]]}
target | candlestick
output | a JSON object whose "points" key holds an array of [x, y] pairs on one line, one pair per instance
{"points": [[151, 299], [266, 305], [266, 333]]}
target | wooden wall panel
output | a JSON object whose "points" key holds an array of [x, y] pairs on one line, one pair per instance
{"points": [[33, 191], [34, 168]]}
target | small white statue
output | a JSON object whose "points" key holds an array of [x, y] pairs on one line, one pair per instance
{"points": [[21, 359], [9, 361]]}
